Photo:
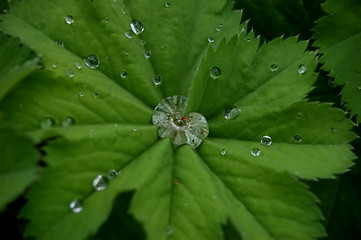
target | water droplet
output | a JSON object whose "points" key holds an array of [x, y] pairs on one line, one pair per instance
{"points": [[231, 112], [47, 123], [126, 53], [170, 230], [302, 69], [147, 53], [157, 79], [143, 42], [54, 65], [266, 140], [112, 174], [123, 11], [69, 19], [332, 130], [76, 206], [60, 43], [135, 129], [136, 26], [123, 74], [78, 65], [167, 5], [129, 34], [116, 125], [176, 181], [359, 87], [81, 94], [100, 183], [297, 138], [274, 68], [299, 115], [189, 129], [70, 73], [223, 152], [215, 72], [96, 94], [219, 28], [106, 20], [92, 61], [67, 122], [211, 39], [256, 152]]}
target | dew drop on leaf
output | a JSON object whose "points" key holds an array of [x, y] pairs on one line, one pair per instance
{"points": [[266, 140], [211, 39], [297, 138], [68, 121], [60, 43], [157, 79], [47, 122], [176, 181], [169, 117], [170, 230], [126, 53], [332, 130], [81, 94], [76, 206], [137, 26], [147, 53], [302, 69], [54, 65], [274, 68], [123, 10], [223, 152], [215, 72], [255, 152], [219, 28], [100, 183], [135, 129], [112, 174], [92, 61], [143, 42], [123, 74], [231, 112], [359, 87], [69, 19], [128, 34], [70, 73], [106, 20], [96, 94], [78, 65], [167, 5], [299, 115]]}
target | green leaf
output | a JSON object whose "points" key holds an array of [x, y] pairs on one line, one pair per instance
{"points": [[179, 193], [18, 169], [16, 63], [339, 35]]}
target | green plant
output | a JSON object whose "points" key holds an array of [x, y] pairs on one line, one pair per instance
{"points": [[77, 102]]}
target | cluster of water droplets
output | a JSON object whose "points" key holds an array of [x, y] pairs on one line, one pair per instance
{"points": [[49, 122], [169, 117], [302, 69]]}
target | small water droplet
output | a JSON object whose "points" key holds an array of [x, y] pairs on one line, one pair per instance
{"points": [[167, 5], [92, 61], [231, 112], [47, 123], [137, 26], [215, 72], [54, 65], [359, 87], [112, 174], [147, 53], [223, 152], [143, 42], [219, 28], [68, 121], [332, 130], [70, 73], [116, 125], [69, 19], [266, 140], [157, 79], [106, 20], [81, 94], [100, 183], [78, 65], [256, 152], [128, 34], [302, 69], [170, 230], [123, 74], [274, 68], [135, 129], [126, 53], [76, 206], [299, 115], [123, 10], [211, 39], [60, 43], [176, 181], [96, 94], [297, 138]]}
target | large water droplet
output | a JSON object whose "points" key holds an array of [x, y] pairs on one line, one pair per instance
{"points": [[69, 19], [211, 39], [302, 69], [274, 68], [60, 43], [215, 72], [112, 174], [256, 152], [129, 34], [169, 117], [76, 206], [47, 123], [100, 183], [157, 79], [223, 152], [147, 53], [67, 122], [266, 140], [231, 112], [136, 26], [297, 138], [123, 74], [92, 61]]}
